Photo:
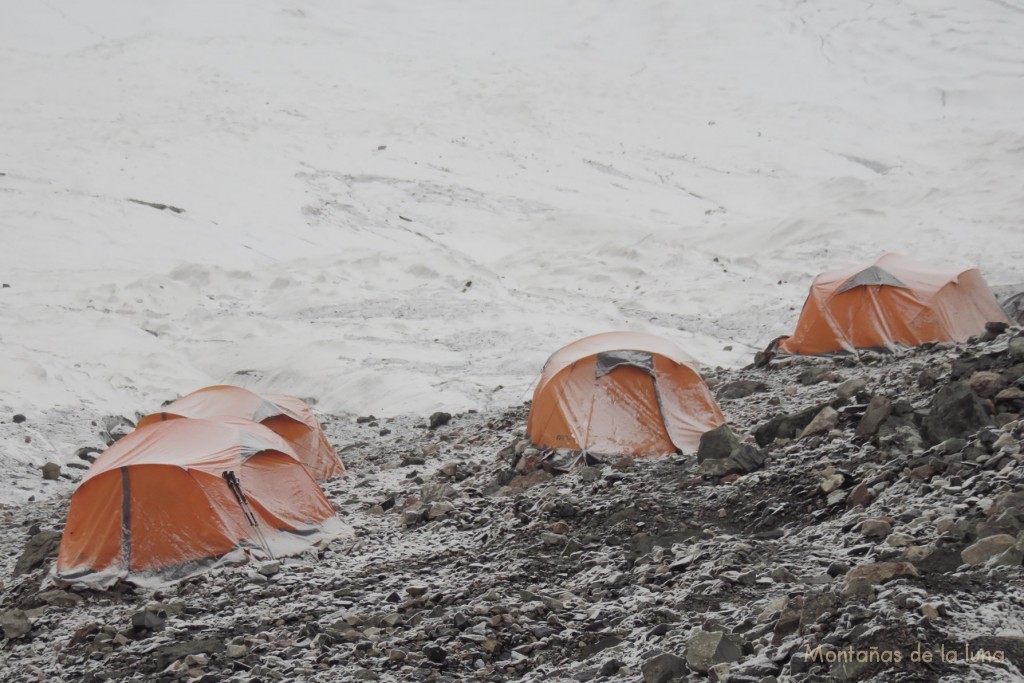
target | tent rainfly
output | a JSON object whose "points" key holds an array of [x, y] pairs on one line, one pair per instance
{"points": [[891, 302], [177, 497], [287, 416], [622, 393]]}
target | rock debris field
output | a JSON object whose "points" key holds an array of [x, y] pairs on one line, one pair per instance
{"points": [[860, 519]]}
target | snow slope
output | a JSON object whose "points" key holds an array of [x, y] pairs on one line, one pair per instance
{"points": [[346, 170]]}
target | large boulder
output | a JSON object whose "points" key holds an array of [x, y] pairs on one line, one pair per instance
{"points": [[986, 549], [956, 411], [717, 444], [720, 453], [879, 408]]}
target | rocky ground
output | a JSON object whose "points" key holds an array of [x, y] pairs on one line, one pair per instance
{"points": [[861, 520]]}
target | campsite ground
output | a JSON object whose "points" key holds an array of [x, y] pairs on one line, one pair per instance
{"points": [[470, 561]]}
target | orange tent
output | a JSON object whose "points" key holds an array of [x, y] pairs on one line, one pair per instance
{"points": [[173, 498], [621, 393], [889, 302], [287, 416]]}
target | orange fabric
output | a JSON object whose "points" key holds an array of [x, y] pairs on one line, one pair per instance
{"points": [[935, 305], [286, 415], [179, 510], [627, 410], [92, 535]]}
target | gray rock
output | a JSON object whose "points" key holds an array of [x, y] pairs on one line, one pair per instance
{"points": [[51, 471], [440, 509], [879, 572], [956, 411], [875, 528], [663, 667], [431, 492], [59, 598], [236, 651], [879, 408], [822, 423], [987, 548], [15, 624], [148, 619], [832, 482], [851, 388], [175, 651], [1015, 349], [717, 444], [439, 419], [740, 389], [747, 458], [899, 540], [38, 550], [269, 568], [786, 426], [708, 648]]}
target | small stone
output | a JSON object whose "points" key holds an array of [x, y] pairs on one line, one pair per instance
{"points": [[435, 653], [59, 598], [875, 528], [148, 619], [996, 327], [832, 482], [439, 509], [439, 419], [432, 492], [549, 538], [18, 419], [416, 591], [51, 471], [860, 495], [560, 527], [236, 651], [449, 469], [269, 568], [1005, 440], [851, 388], [899, 540], [740, 389]]}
